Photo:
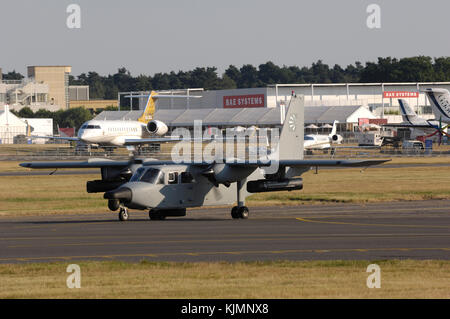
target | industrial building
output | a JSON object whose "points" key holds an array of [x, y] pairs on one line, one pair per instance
{"points": [[324, 103], [380, 98], [47, 87]]}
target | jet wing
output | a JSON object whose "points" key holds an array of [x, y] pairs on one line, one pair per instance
{"points": [[73, 139], [140, 141], [167, 139]]}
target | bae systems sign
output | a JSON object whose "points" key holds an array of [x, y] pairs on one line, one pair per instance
{"points": [[400, 94], [253, 100]]}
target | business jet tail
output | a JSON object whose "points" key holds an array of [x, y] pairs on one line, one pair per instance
{"points": [[440, 103]]}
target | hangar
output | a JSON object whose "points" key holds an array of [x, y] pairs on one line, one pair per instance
{"points": [[380, 98], [347, 115]]}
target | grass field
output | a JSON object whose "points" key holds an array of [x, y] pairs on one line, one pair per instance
{"points": [[42, 195], [280, 279]]}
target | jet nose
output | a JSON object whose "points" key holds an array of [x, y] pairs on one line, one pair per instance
{"points": [[122, 193]]}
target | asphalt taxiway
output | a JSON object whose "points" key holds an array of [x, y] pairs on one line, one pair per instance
{"points": [[417, 229]]}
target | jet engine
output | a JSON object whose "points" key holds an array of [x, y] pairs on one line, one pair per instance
{"points": [[336, 139], [157, 127]]}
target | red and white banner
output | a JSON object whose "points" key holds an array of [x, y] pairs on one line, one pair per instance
{"points": [[399, 94], [254, 100]]}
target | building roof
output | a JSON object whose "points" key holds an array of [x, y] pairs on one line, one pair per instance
{"points": [[242, 116]]}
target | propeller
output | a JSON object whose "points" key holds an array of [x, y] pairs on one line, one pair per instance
{"points": [[211, 176]]}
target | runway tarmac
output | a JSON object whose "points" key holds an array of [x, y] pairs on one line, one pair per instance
{"points": [[418, 230]]}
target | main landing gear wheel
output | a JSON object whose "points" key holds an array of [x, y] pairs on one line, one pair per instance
{"points": [[156, 215], [239, 212], [123, 214], [234, 212]]}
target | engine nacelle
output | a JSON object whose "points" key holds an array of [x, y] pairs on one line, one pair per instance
{"points": [[157, 127], [265, 185], [336, 139]]}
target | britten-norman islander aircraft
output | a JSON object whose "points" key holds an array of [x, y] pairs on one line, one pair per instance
{"points": [[167, 188]]}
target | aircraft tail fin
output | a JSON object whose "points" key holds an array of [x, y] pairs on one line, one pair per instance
{"points": [[334, 129], [149, 110], [291, 141], [440, 102], [408, 114]]}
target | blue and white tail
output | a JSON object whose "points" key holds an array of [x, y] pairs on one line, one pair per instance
{"points": [[440, 103], [408, 114]]}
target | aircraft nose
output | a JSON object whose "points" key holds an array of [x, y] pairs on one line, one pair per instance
{"points": [[122, 193]]}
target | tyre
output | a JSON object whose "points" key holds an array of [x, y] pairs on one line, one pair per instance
{"points": [[243, 212], [123, 214], [234, 212]]}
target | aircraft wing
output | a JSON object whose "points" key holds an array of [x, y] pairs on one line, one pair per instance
{"points": [[140, 141], [167, 139], [73, 139], [91, 163], [313, 163]]}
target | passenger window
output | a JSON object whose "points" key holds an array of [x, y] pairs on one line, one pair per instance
{"points": [[186, 177], [173, 178]]}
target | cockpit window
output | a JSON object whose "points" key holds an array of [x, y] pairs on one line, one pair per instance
{"points": [[309, 138], [150, 175], [91, 127], [137, 175]]}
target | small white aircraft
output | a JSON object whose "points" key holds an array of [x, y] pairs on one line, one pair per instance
{"points": [[323, 141]]}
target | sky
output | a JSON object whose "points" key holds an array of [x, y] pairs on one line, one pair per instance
{"points": [[150, 36]]}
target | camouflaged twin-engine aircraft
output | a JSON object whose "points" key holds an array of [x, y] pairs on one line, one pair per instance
{"points": [[167, 188]]}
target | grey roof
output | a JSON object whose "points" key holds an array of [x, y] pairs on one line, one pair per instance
{"points": [[119, 115], [235, 117], [329, 114]]}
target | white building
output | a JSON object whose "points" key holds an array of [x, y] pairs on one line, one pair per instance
{"points": [[39, 127], [10, 126]]}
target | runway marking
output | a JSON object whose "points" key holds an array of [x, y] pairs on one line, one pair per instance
{"points": [[124, 243], [244, 236], [363, 224], [224, 253]]}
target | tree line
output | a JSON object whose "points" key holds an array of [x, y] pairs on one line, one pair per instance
{"points": [[411, 69]]}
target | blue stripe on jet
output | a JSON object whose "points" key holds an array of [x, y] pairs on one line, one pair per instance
{"points": [[404, 111], [433, 98]]}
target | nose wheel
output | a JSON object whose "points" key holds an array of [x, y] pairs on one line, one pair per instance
{"points": [[241, 212], [123, 214]]}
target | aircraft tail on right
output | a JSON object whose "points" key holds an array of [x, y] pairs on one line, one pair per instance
{"points": [[440, 103]]}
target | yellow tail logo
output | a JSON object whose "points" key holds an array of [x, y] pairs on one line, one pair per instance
{"points": [[149, 109]]}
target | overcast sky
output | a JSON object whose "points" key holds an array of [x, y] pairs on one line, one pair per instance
{"points": [[149, 36]]}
